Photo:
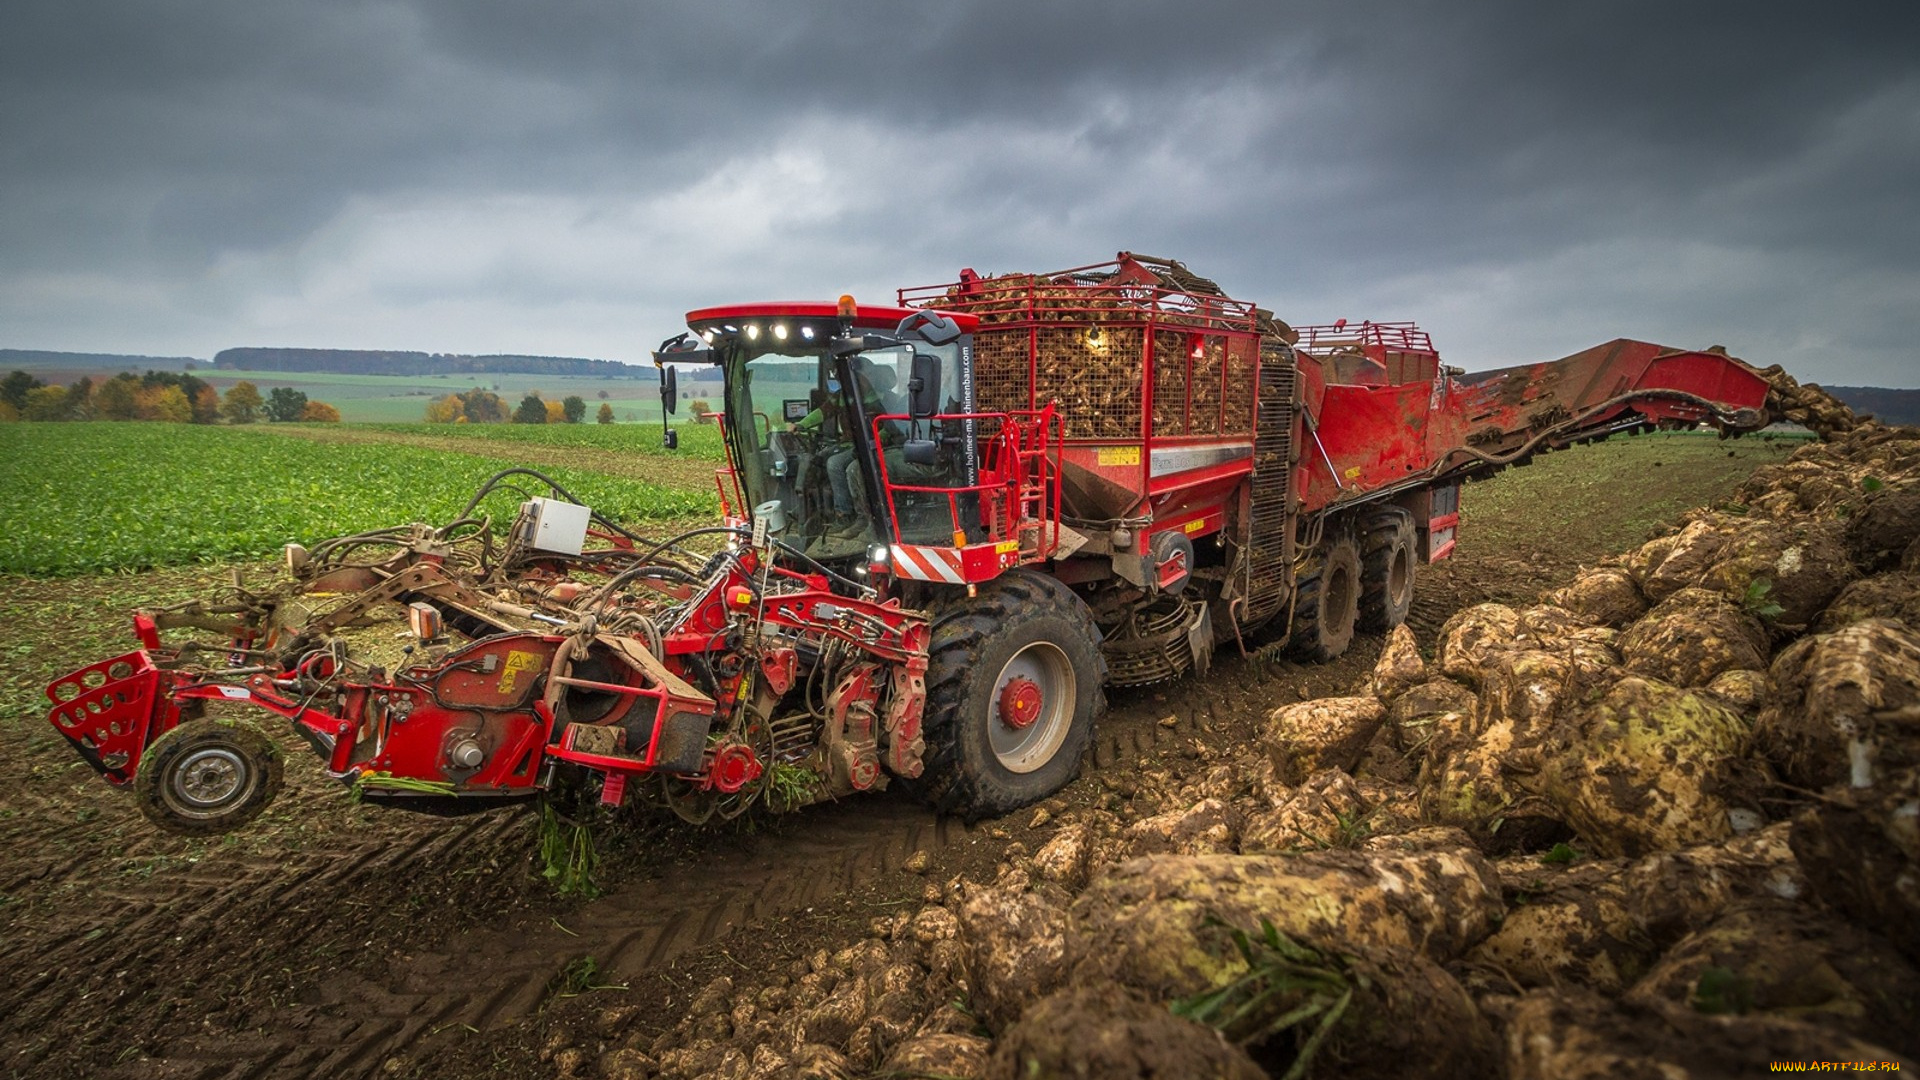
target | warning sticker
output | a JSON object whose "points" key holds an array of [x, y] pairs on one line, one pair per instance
{"points": [[1119, 455], [517, 662]]}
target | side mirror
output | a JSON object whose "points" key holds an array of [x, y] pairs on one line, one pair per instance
{"points": [[684, 348], [923, 387], [932, 327], [920, 451], [669, 389]]}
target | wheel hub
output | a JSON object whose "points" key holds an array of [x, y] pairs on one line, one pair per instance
{"points": [[1020, 702], [734, 767], [211, 777]]}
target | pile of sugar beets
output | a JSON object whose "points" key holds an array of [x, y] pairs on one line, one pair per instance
{"points": [[1665, 823]]}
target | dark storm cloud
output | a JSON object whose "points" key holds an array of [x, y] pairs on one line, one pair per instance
{"points": [[567, 176]]}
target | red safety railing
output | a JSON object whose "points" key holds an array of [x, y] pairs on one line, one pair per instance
{"points": [[1019, 484], [1084, 295], [1394, 336], [728, 475]]}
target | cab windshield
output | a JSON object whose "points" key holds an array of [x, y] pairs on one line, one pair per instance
{"points": [[801, 427]]}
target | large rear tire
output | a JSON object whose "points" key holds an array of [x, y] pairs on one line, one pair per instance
{"points": [[207, 777], [1014, 682], [1386, 569], [1326, 603]]}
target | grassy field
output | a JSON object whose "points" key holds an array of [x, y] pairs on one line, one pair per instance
{"points": [[80, 498], [1610, 496], [701, 441], [404, 398], [77, 498]]}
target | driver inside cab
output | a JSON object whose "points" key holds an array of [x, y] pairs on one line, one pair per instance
{"points": [[852, 526]]}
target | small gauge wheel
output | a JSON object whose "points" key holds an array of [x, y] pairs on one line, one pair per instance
{"points": [[208, 777]]}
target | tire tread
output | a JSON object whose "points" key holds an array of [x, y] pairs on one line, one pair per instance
{"points": [[961, 632]]}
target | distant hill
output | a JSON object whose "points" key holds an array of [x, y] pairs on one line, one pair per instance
{"points": [[382, 362], [42, 360], [1890, 406]]}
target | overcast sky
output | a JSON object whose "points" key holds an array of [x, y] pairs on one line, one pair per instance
{"points": [[567, 177]]}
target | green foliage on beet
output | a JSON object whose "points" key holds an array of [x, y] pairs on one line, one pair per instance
{"points": [[90, 497]]}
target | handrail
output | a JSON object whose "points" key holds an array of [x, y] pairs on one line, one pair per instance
{"points": [[1061, 297], [1040, 446], [1397, 336]]}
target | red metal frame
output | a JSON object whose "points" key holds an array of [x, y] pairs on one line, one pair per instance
{"points": [[1132, 296], [111, 711], [1373, 337], [1130, 289], [1016, 498]]}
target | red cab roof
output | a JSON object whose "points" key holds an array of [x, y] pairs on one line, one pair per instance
{"points": [[864, 314]]}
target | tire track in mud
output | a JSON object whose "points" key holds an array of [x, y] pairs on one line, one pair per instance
{"points": [[490, 976], [135, 940], [123, 946]]}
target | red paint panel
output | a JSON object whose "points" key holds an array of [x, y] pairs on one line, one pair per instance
{"points": [[1372, 436]]}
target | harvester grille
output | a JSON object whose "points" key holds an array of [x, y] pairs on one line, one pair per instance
{"points": [[1202, 383], [1094, 373], [1269, 543], [1237, 418], [1002, 381], [1079, 337]]}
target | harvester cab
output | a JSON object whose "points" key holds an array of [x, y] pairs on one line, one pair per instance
{"points": [[853, 432]]}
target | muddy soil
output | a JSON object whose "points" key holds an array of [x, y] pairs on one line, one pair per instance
{"points": [[333, 939]]}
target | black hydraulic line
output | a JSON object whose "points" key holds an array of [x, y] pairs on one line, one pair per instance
{"points": [[818, 565], [600, 596], [706, 530], [493, 481]]}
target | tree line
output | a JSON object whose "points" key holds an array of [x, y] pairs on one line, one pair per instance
{"points": [[403, 362], [477, 406], [159, 396]]}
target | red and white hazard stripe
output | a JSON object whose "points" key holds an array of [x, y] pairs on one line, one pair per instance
{"points": [[927, 563]]}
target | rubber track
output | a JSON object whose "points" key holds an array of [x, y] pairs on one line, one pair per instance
{"points": [[488, 976]]}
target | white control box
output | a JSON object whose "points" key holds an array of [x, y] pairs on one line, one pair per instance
{"points": [[553, 525]]}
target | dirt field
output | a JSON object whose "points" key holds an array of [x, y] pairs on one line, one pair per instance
{"points": [[333, 939]]}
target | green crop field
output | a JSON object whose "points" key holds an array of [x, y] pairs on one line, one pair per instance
{"points": [[404, 398], [87, 497], [699, 441]]}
